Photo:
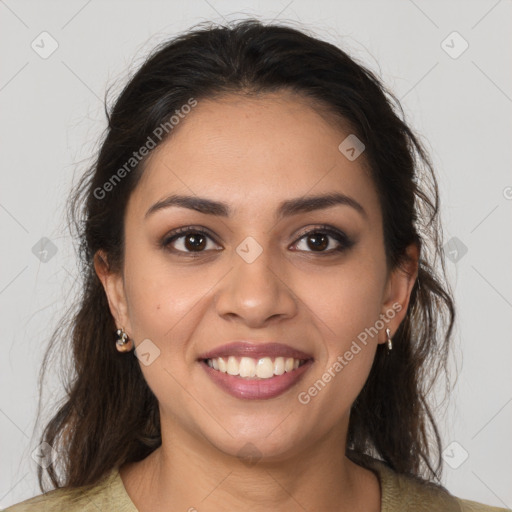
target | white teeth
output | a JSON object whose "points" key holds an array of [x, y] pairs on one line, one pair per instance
{"points": [[233, 366], [222, 365], [248, 367], [265, 368], [279, 366]]}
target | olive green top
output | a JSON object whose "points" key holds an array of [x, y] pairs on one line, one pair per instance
{"points": [[399, 493]]}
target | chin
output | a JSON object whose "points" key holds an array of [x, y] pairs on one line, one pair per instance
{"points": [[260, 440]]}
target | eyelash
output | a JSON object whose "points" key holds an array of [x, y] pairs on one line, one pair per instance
{"points": [[344, 241]]}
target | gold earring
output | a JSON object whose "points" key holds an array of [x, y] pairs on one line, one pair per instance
{"points": [[123, 343], [390, 341]]}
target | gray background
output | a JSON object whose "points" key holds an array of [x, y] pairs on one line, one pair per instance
{"points": [[460, 103]]}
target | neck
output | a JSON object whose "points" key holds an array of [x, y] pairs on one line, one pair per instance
{"points": [[189, 473]]}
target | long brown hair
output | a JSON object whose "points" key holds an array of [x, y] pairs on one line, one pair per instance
{"points": [[109, 416]]}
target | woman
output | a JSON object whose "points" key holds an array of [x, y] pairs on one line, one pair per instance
{"points": [[261, 226]]}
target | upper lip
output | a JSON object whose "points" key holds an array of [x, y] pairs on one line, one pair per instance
{"points": [[254, 350]]}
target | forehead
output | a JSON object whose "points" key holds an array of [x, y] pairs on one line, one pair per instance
{"points": [[238, 149]]}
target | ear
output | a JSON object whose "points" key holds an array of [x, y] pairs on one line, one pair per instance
{"points": [[113, 284], [398, 290]]}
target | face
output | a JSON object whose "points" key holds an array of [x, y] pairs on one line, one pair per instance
{"points": [[315, 280]]}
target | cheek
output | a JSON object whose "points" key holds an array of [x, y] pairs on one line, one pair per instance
{"points": [[330, 392], [165, 301], [347, 300], [347, 305], [163, 306]]}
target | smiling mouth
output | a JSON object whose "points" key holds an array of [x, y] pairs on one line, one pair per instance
{"points": [[254, 369]]}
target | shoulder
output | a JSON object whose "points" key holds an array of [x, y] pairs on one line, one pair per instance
{"points": [[426, 493], [473, 506], [70, 500], [107, 494], [408, 493]]}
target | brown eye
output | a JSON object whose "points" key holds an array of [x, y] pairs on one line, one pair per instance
{"points": [[194, 242], [319, 239], [187, 240]]}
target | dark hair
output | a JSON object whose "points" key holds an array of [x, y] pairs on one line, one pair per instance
{"points": [[109, 416]]}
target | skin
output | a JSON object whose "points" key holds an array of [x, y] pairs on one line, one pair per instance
{"points": [[253, 154]]}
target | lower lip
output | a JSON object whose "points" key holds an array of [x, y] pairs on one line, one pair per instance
{"points": [[256, 389]]}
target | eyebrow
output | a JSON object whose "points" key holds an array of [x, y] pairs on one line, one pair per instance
{"points": [[286, 208]]}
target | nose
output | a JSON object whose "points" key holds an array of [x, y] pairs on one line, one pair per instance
{"points": [[256, 291]]}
